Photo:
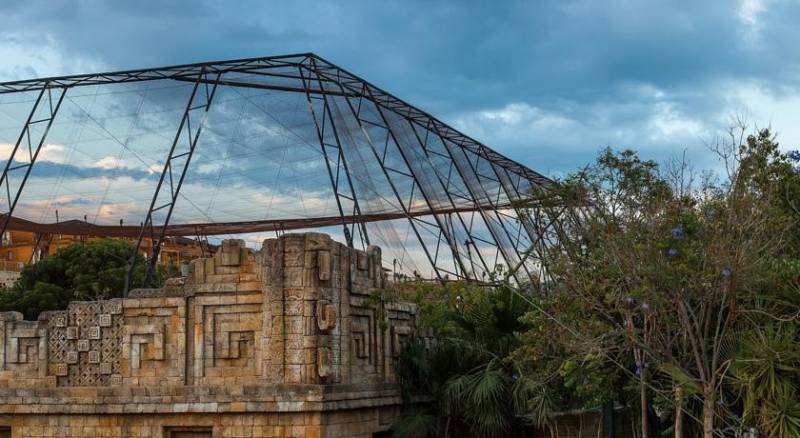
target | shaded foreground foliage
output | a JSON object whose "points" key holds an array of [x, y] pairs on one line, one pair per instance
{"points": [[81, 271], [671, 294]]}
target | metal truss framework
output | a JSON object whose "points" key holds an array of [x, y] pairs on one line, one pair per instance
{"points": [[468, 206]]}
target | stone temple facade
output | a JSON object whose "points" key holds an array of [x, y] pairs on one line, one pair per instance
{"points": [[286, 342]]}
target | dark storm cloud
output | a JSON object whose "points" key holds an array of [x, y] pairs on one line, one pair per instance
{"points": [[547, 83]]}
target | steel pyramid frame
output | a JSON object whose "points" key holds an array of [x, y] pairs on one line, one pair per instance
{"points": [[446, 185]]}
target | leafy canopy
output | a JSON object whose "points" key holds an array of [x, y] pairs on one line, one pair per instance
{"points": [[81, 271]]}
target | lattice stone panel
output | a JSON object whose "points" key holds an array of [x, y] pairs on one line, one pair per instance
{"points": [[84, 343]]}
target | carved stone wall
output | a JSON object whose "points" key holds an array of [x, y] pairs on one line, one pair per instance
{"points": [[297, 312]]}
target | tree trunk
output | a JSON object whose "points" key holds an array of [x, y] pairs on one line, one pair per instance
{"points": [[643, 402], [708, 413], [679, 411]]}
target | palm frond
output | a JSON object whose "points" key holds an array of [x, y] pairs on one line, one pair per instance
{"points": [[415, 425]]}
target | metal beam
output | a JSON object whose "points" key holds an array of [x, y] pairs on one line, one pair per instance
{"points": [[446, 187], [426, 196], [328, 71], [157, 73], [319, 128], [341, 162], [354, 84], [183, 158], [34, 147], [386, 175]]}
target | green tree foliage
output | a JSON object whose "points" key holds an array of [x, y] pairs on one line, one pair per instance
{"points": [[81, 271], [662, 275], [676, 296], [472, 386]]}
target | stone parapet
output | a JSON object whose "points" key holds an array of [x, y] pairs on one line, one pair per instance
{"points": [[290, 329]]}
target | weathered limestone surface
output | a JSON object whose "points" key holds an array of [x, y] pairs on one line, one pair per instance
{"points": [[281, 342]]}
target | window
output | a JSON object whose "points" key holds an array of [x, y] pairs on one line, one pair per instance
{"points": [[186, 432], [5, 432]]}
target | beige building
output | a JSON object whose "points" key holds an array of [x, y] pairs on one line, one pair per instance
{"points": [[18, 248], [284, 342]]}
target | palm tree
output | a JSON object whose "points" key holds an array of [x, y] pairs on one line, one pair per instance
{"points": [[767, 373], [469, 385]]}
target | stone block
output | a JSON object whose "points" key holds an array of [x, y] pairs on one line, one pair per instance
{"points": [[83, 345], [326, 315], [324, 265], [230, 253], [324, 359], [71, 357]]}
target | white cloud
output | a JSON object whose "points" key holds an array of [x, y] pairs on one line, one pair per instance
{"points": [[749, 10], [111, 163], [766, 109], [666, 121], [54, 153]]}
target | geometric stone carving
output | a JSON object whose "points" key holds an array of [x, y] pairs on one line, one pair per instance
{"points": [[83, 345], [326, 315], [93, 332], [113, 306], [313, 321], [228, 342], [324, 358], [360, 333], [233, 344], [399, 335], [23, 343], [324, 265], [137, 340], [60, 369], [77, 342]]}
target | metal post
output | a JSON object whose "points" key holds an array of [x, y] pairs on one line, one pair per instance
{"points": [[320, 129], [33, 151], [359, 87], [474, 196], [425, 195], [192, 136], [391, 184], [446, 187]]}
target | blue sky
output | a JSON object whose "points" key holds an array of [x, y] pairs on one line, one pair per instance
{"points": [[547, 83]]}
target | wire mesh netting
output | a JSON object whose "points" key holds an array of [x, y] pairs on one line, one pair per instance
{"points": [[257, 147]]}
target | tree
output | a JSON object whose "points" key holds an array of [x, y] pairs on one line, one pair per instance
{"points": [[473, 387], [670, 268], [81, 271]]}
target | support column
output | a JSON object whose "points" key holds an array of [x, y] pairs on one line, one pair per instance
{"points": [[34, 146], [400, 201], [320, 127], [180, 158]]}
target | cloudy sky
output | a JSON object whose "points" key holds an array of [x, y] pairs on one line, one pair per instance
{"points": [[547, 83]]}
